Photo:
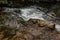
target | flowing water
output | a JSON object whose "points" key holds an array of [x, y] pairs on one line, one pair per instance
{"points": [[34, 13]]}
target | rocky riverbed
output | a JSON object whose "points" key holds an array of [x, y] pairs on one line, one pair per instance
{"points": [[33, 29], [29, 20], [30, 26]]}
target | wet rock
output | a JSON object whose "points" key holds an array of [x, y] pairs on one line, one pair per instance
{"points": [[9, 23], [57, 17], [32, 31], [43, 23]]}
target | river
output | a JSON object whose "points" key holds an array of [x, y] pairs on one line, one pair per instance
{"points": [[33, 12]]}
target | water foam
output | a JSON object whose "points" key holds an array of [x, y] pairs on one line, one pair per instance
{"points": [[30, 12]]}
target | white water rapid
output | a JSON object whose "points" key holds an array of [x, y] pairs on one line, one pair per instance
{"points": [[31, 12]]}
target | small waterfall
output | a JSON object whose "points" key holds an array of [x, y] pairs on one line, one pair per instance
{"points": [[32, 12], [26, 13]]}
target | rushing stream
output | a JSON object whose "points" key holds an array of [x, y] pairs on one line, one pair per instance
{"points": [[32, 12]]}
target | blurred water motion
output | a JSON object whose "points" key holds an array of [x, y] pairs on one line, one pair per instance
{"points": [[33, 12]]}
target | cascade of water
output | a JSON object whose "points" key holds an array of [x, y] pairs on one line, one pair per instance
{"points": [[34, 13]]}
